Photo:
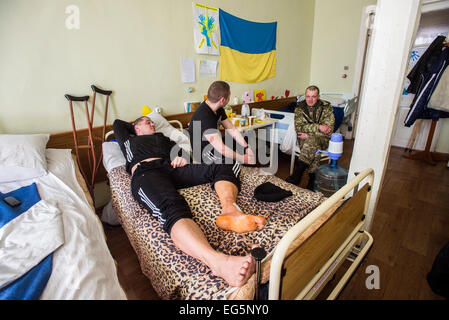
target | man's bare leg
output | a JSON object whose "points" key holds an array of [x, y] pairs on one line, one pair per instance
{"points": [[231, 217], [189, 238]]}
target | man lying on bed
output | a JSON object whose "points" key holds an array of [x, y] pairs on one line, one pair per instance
{"points": [[154, 184]]}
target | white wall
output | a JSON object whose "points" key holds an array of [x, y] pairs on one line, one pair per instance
{"points": [[392, 38], [131, 47], [335, 40]]}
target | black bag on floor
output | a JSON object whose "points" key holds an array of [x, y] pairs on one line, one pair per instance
{"points": [[438, 277]]}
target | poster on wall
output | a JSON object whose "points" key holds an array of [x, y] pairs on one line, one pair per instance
{"points": [[259, 95], [417, 52], [206, 29]]}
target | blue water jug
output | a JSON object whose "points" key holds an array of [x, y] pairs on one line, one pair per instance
{"points": [[329, 178]]}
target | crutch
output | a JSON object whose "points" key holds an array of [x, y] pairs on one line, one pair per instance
{"points": [[107, 93], [258, 254], [89, 146]]}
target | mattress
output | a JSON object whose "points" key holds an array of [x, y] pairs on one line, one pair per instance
{"points": [[83, 267], [175, 275]]}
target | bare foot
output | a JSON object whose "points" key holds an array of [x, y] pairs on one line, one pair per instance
{"points": [[233, 219], [240, 223], [231, 210], [235, 270]]}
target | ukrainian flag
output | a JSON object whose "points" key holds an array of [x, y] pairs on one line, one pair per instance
{"points": [[247, 50]]}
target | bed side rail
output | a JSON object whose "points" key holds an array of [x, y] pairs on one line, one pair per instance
{"points": [[290, 275]]}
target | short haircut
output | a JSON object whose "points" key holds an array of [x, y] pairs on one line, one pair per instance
{"points": [[313, 88], [217, 90], [139, 120]]}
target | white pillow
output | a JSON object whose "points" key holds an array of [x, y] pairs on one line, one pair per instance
{"points": [[112, 155], [334, 101], [163, 126], [22, 156]]}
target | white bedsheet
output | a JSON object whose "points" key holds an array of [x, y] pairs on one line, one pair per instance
{"points": [[83, 267]]}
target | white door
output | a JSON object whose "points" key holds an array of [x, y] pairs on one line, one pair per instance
{"points": [[366, 28], [432, 23]]}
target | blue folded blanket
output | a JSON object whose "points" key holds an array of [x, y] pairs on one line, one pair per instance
{"points": [[31, 285]]}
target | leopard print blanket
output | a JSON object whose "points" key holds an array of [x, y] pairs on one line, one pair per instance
{"points": [[175, 275]]}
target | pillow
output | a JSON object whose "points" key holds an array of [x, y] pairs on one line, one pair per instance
{"points": [[112, 155], [22, 156], [163, 126], [334, 101]]}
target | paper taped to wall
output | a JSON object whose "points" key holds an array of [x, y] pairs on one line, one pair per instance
{"points": [[208, 68], [188, 70]]}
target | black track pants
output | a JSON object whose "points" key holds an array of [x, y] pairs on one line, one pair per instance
{"points": [[155, 185]]}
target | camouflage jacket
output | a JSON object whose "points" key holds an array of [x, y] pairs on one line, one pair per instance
{"points": [[307, 119]]}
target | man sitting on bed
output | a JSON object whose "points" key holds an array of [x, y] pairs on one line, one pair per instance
{"points": [[154, 184], [210, 146]]}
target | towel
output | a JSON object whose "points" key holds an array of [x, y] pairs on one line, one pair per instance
{"points": [[440, 97], [29, 234]]}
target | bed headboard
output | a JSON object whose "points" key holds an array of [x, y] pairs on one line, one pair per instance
{"points": [[64, 140]]}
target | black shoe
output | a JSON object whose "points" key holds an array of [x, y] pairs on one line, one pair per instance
{"points": [[295, 178]]}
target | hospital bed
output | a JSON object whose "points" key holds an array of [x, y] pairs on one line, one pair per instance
{"points": [[80, 265], [307, 236], [344, 105]]}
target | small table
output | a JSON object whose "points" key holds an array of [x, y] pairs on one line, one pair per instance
{"points": [[267, 122]]}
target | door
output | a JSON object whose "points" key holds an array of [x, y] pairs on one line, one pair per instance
{"points": [[366, 29], [432, 24]]}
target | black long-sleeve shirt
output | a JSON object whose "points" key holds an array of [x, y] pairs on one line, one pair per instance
{"points": [[137, 148]]}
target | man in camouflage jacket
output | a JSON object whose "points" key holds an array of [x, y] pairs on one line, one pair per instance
{"points": [[314, 124]]}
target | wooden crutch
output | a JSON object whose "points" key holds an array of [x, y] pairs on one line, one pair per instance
{"points": [[89, 146], [107, 93]]}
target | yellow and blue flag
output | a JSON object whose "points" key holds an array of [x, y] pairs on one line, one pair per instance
{"points": [[247, 49]]}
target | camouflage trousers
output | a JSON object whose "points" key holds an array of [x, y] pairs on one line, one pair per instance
{"points": [[309, 147]]}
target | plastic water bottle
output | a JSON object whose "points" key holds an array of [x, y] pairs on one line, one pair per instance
{"points": [[245, 110], [329, 178]]}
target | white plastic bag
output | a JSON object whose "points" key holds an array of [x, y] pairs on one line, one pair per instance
{"points": [[109, 216], [289, 141]]}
